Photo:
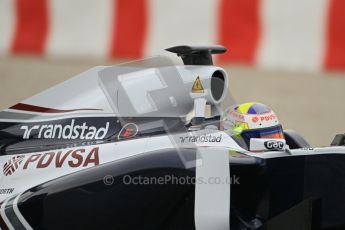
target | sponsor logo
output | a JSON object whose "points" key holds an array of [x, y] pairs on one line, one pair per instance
{"points": [[12, 165], [307, 149], [201, 139], [268, 117], [128, 131], [255, 119], [6, 191], [69, 131], [274, 145], [72, 158]]}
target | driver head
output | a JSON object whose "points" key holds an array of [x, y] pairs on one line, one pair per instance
{"points": [[251, 120]]}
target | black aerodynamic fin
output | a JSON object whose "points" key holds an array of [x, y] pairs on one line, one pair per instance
{"points": [[197, 55], [339, 140]]}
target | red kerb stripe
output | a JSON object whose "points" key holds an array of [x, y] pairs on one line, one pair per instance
{"points": [[129, 29], [239, 27], [31, 26], [335, 44]]}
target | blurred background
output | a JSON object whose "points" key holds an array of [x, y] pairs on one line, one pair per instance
{"points": [[289, 55]]}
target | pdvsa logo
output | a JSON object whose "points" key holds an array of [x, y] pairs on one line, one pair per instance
{"points": [[268, 118], [12, 165], [274, 145], [77, 158]]}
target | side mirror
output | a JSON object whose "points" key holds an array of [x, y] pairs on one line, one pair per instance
{"points": [[260, 144]]}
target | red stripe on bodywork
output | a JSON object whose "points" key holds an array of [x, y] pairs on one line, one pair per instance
{"points": [[34, 108], [129, 29], [239, 27], [335, 41], [31, 26]]}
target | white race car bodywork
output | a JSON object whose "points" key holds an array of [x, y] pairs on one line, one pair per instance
{"points": [[110, 114], [38, 167]]}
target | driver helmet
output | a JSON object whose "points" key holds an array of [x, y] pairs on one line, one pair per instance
{"points": [[251, 120]]}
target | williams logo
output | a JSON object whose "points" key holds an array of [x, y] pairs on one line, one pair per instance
{"points": [[12, 165], [66, 131]]}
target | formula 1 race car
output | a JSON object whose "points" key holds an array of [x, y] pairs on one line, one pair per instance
{"points": [[140, 146]]}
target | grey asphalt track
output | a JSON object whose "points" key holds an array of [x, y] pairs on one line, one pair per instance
{"points": [[310, 103]]}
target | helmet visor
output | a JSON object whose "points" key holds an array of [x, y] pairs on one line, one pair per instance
{"points": [[275, 132]]}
